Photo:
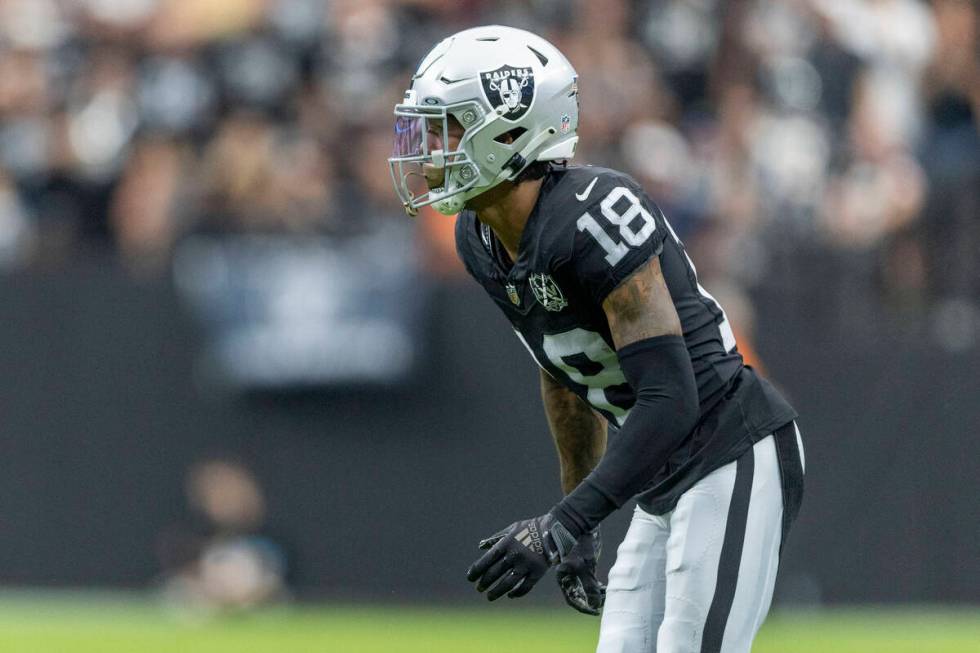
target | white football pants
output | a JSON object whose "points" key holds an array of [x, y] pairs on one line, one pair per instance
{"points": [[699, 579]]}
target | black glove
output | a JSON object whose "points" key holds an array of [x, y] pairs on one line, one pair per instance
{"points": [[576, 575], [519, 555]]}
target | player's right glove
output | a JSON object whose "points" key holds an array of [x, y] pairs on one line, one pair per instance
{"points": [[519, 555], [577, 578]]}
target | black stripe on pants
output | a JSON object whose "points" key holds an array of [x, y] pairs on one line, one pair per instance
{"points": [[791, 475], [731, 555]]}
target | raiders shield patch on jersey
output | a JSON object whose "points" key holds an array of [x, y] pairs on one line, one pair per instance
{"points": [[509, 87], [547, 292]]}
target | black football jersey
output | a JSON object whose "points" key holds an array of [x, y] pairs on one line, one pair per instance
{"points": [[590, 229]]}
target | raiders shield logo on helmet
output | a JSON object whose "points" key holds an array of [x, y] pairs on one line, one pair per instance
{"points": [[509, 87], [547, 292]]}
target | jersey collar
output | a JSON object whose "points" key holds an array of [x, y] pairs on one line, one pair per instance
{"points": [[517, 272]]}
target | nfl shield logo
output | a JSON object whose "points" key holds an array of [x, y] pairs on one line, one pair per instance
{"points": [[515, 299]]}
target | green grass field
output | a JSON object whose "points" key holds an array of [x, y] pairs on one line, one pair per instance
{"points": [[99, 624]]}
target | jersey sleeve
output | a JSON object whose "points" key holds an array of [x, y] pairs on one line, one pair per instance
{"points": [[618, 233]]}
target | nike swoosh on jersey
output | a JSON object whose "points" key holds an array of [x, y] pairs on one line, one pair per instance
{"points": [[581, 197]]}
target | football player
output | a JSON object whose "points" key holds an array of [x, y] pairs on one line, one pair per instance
{"points": [[603, 295]]}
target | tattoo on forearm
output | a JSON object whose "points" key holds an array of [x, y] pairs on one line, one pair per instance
{"points": [[579, 434]]}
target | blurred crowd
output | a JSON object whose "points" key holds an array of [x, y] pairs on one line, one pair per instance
{"points": [[841, 131]]}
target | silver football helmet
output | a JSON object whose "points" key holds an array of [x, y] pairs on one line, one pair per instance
{"points": [[516, 97]]}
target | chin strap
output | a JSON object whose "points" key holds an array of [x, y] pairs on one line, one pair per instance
{"points": [[514, 166], [519, 160]]}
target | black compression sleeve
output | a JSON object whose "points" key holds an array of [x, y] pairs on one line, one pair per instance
{"points": [[666, 409]]}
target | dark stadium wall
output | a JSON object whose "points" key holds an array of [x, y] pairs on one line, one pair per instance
{"points": [[383, 494]]}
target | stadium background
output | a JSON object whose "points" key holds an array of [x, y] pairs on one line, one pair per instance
{"points": [[237, 376]]}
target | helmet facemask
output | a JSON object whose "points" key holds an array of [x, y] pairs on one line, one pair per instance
{"points": [[463, 178], [411, 154]]}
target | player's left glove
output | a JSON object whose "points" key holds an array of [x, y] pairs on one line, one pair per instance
{"points": [[519, 555], [577, 578]]}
